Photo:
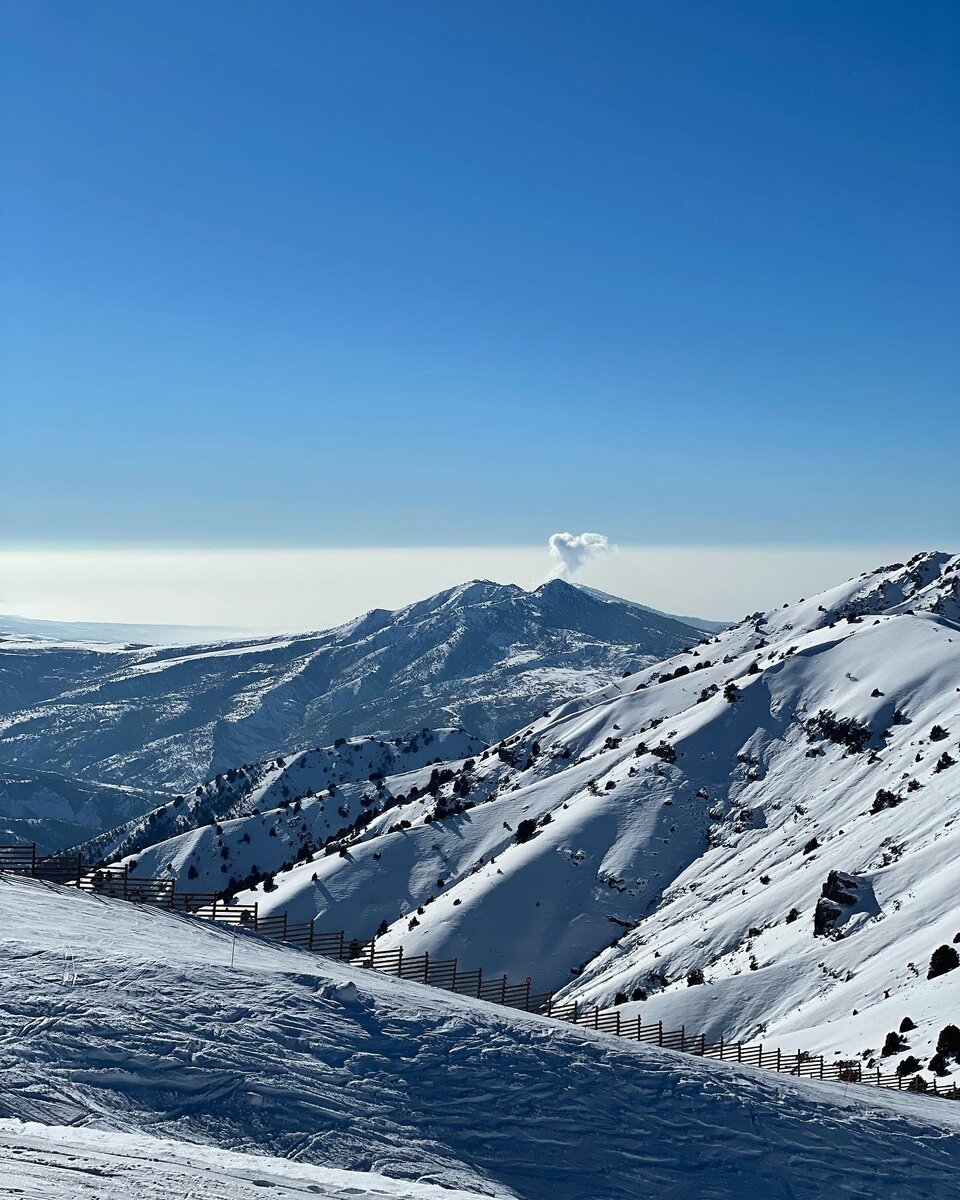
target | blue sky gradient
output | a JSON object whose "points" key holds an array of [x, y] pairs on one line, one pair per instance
{"points": [[404, 273]]}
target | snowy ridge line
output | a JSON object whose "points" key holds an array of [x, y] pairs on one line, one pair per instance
{"points": [[115, 883]]}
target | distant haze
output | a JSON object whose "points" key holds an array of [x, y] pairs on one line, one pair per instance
{"points": [[287, 590]]}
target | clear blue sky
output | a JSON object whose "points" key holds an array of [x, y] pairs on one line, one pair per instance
{"points": [[328, 273]]}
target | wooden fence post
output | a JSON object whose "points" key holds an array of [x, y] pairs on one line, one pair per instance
{"points": [[739, 1052], [454, 987], [659, 1033], [400, 962], [310, 938], [503, 990], [284, 935], [618, 1024], [33, 859], [683, 1030], [426, 966], [526, 1002], [213, 914], [340, 952], [479, 980]]}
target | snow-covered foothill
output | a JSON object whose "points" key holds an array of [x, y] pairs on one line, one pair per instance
{"points": [[258, 818], [54, 812]]}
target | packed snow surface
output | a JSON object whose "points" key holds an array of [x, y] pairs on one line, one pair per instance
{"points": [[57, 1162], [124, 1020]]}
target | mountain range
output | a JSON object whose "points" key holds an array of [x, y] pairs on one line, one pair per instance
{"points": [[80, 717], [756, 836]]}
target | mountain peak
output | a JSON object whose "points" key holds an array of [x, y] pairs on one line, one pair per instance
{"points": [[556, 585], [482, 654]]}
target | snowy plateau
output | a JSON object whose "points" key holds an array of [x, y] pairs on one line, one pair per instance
{"points": [[750, 831]]}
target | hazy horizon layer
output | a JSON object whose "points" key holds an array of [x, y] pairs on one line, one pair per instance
{"points": [[271, 591]]}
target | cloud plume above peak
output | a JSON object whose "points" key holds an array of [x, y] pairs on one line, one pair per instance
{"points": [[571, 550]]}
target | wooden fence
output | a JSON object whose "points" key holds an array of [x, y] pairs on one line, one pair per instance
{"points": [[116, 882]]}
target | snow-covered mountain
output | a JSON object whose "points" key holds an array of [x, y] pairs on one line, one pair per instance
{"points": [[137, 1064], [777, 809], [484, 656]]}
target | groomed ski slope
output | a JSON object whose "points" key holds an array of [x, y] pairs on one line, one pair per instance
{"points": [[130, 1019]]}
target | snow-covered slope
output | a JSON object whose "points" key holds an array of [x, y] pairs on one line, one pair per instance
{"points": [[128, 1025], [254, 818], [700, 623], [484, 656], [59, 1162], [708, 814]]}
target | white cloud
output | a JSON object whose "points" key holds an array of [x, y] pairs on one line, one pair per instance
{"points": [[571, 550]]}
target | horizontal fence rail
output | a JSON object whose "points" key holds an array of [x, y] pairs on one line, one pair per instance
{"points": [[445, 973]]}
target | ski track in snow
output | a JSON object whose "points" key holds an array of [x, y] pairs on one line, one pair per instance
{"points": [[114, 1016], [42, 1162]]}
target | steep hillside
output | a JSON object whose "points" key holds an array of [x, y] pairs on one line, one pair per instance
{"points": [[483, 656], [130, 1027], [777, 809], [273, 812]]}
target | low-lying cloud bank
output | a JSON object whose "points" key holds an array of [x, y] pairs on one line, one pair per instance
{"points": [[286, 590]]}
